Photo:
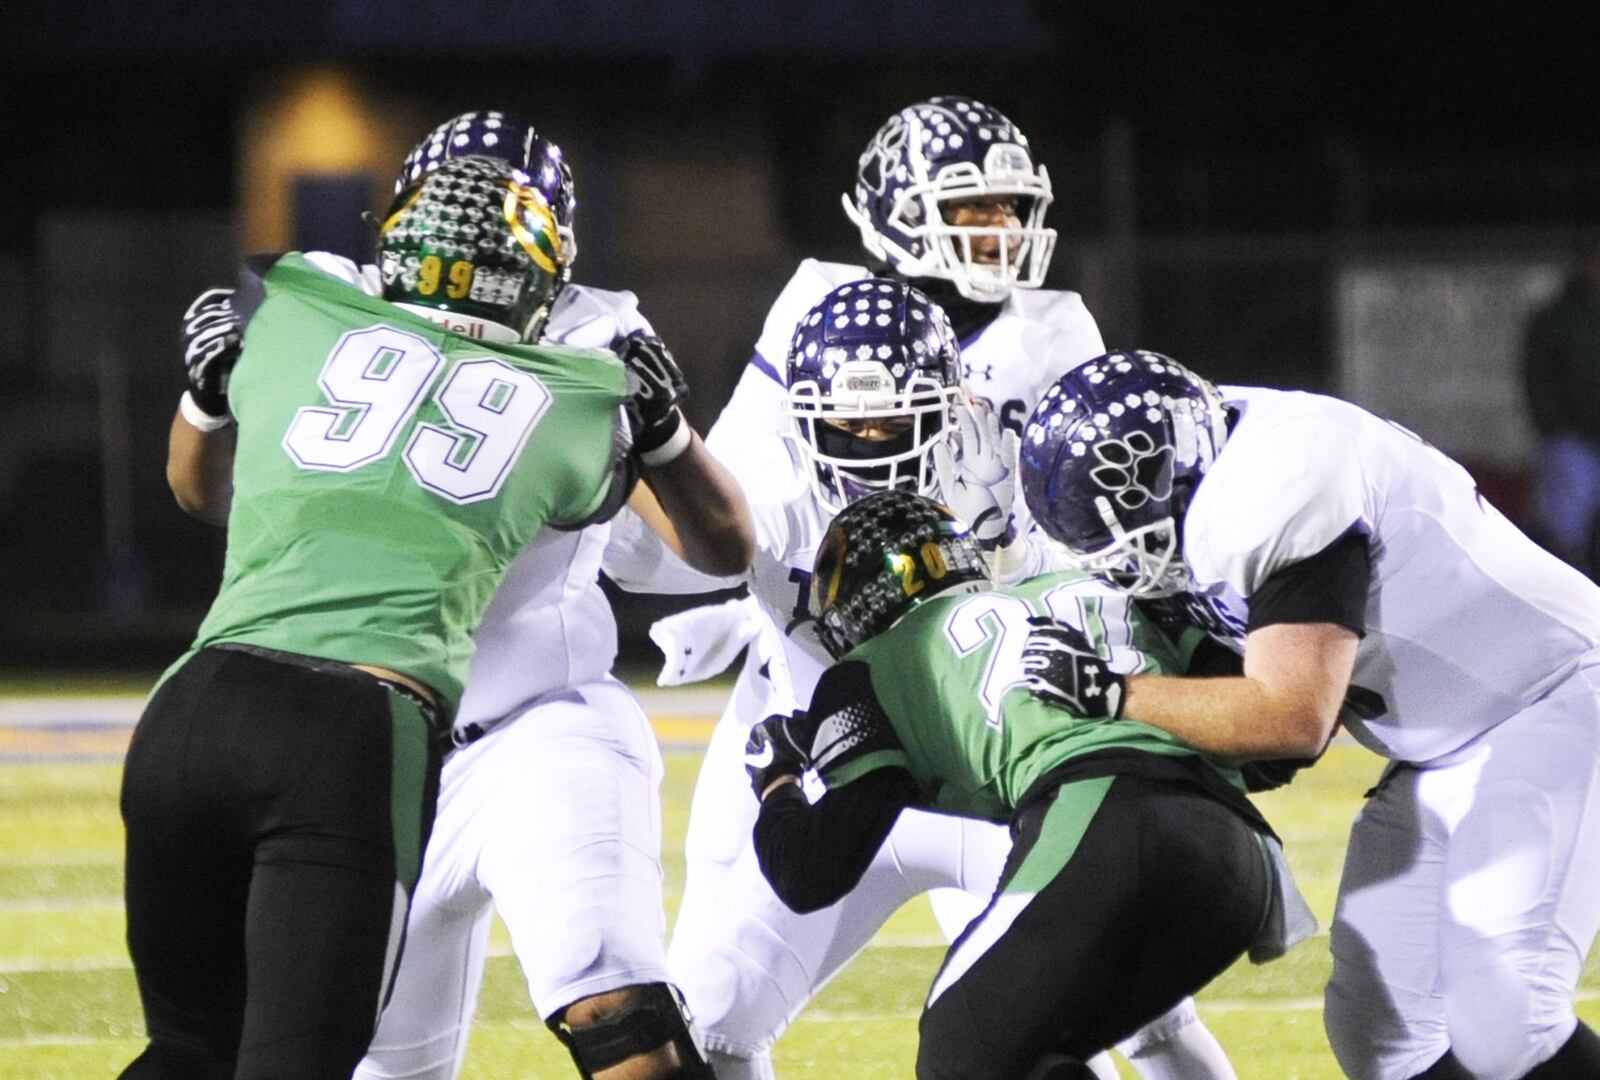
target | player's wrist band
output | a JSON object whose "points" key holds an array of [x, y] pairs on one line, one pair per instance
{"points": [[1011, 561], [198, 417], [668, 451]]}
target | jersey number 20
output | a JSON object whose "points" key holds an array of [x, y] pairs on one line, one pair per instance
{"points": [[376, 379], [1000, 621]]}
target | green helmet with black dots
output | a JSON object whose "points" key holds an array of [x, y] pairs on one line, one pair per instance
{"points": [[474, 238], [882, 556]]}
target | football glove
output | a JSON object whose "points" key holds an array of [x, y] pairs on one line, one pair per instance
{"points": [[211, 344], [1064, 669], [978, 476], [655, 387], [775, 749]]}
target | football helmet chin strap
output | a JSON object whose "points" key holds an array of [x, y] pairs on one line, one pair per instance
{"points": [[654, 1016]]}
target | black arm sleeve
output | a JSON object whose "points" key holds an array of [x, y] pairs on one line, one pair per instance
{"points": [[849, 723], [1329, 587], [1212, 659], [815, 853]]}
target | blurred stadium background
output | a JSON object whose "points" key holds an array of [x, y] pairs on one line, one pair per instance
{"points": [[1363, 198], [1360, 197]]}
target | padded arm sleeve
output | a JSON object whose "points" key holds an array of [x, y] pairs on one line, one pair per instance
{"points": [[1290, 491], [853, 734], [813, 854]]}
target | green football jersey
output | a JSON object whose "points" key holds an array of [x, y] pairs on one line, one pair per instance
{"points": [[940, 694], [388, 470]]}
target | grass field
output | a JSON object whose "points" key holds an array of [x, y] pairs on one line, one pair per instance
{"points": [[68, 1008]]}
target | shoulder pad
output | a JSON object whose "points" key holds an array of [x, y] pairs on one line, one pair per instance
{"points": [[812, 280]]}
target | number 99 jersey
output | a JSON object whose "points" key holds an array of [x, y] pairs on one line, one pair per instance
{"points": [[387, 471]]}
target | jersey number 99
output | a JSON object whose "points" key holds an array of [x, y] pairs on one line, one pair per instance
{"points": [[376, 379]]}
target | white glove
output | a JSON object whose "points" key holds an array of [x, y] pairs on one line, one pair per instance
{"points": [[978, 476], [700, 643]]}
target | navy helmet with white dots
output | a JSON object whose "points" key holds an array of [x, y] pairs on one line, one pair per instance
{"points": [[490, 133], [943, 150], [873, 372], [1112, 456]]}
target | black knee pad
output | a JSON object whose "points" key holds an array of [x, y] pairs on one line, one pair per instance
{"points": [[654, 1017]]}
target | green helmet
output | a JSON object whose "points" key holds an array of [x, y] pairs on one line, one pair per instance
{"points": [[474, 237], [882, 556]]}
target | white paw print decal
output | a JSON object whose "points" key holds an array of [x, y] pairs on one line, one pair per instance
{"points": [[1133, 470]]}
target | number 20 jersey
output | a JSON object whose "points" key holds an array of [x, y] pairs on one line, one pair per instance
{"points": [[949, 706], [387, 471], [1468, 621]]}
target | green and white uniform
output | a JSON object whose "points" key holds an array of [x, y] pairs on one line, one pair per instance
{"points": [[1135, 858], [953, 710], [387, 472], [276, 800]]}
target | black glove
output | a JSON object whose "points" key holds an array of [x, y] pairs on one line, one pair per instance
{"points": [[777, 747], [211, 343], [1063, 669], [655, 386]]}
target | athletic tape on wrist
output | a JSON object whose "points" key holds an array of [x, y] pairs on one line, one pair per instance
{"points": [[198, 417], [671, 449]]}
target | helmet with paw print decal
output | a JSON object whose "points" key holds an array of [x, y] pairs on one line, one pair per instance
{"points": [[1110, 460]]}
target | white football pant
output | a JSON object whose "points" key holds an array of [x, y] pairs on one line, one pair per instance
{"points": [[554, 818], [1470, 897]]}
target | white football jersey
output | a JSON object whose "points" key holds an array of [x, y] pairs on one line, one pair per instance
{"points": [[1010, 362], [549, 625], [789, 522], [1468, 621]]}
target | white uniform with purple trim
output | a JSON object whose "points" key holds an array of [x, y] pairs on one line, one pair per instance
{"points": [[1471, 888], [552, 817], [746, 963]]}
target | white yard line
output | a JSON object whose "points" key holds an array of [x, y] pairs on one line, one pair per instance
{"points": [[121, 709], [1212, 1005], [67, 1040], [36, 859], [40, 905], [31, 965]]}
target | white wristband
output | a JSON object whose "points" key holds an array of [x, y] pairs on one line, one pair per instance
{"points": [[200, 419], [1011, 564], [669, 450]]}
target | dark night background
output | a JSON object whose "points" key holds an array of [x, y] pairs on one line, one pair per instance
{"points": [[1220, 171]]}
